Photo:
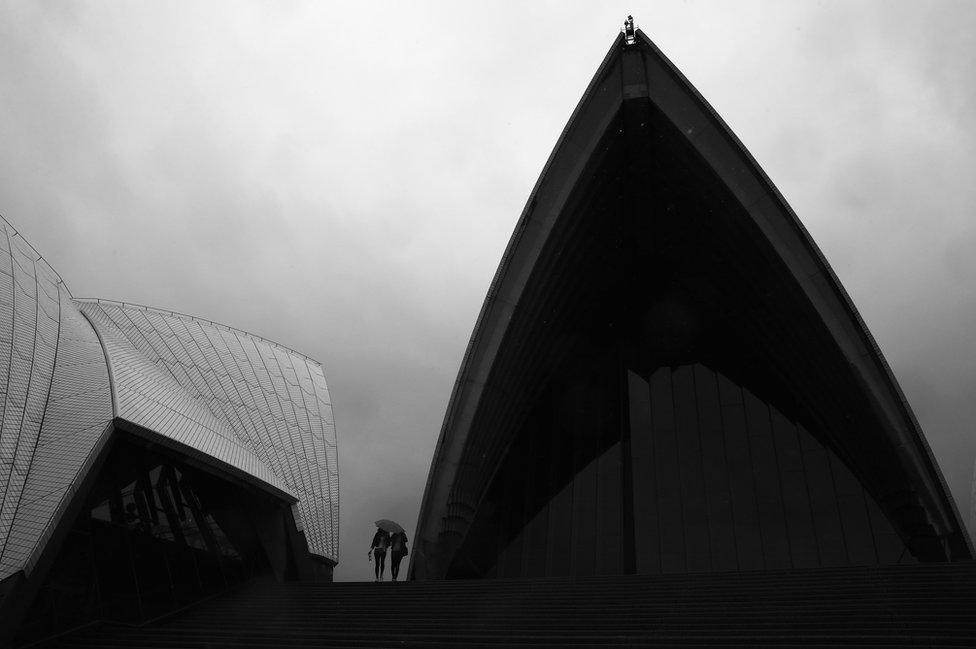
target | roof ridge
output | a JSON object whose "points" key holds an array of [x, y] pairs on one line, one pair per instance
{"points": [[38, 256], [187, 316]]}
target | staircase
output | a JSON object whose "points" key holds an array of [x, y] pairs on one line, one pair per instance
{"points": [[931, 605]]}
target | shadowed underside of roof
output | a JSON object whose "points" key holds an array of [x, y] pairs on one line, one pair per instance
{"points": [[639, 124], [250, 403]]}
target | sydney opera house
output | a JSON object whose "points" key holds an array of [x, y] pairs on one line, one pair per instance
{"points": [[667, 377], [148, 458]]}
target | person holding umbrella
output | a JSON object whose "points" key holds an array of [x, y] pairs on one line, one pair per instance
{"points": [[397, 542], [381, 541]]}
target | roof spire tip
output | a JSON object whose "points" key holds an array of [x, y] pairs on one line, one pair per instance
{"points": [[629, 30]]}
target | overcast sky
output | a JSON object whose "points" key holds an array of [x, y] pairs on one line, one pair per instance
{"points": [[344, 181]]}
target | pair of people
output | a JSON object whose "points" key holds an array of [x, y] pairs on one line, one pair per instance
{"points": [[396, 544]]}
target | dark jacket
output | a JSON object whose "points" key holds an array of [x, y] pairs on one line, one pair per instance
{"points": [[398, 542], [381, 541]]}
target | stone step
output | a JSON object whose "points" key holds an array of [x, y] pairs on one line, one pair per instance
{"points": [[900, 606]]}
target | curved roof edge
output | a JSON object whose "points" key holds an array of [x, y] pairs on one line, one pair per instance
{"points": [[945, 504], [716, 142], [30, 525], [57, 401], [210, 463], [448, 448], [193, 318], [40, 258], [206, 414]]}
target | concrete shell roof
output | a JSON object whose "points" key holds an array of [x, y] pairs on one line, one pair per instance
{"points": [[671, 93], [260, 409], [56, 400], [69, 368]]}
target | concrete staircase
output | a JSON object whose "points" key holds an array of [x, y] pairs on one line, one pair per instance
{"points": [[931, 605]]}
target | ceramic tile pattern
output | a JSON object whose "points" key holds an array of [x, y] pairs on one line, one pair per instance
{"points": [[229, 398], [245, 401], [56, 400]]}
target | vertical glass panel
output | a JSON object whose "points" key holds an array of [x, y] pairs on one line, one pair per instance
{"points": [[534, 552], [720, 481], [697, 552], [536, 506], [823, 501], [510, 564], [584, 519], [482, 557], [647, 543], [796, 502], [183, 572], [136, 514], [888, 544], [745, 512], [853, 515], [492, 572], [609, 558], [209, 572], [224, 544], [715, 471], [668, 471], [113, 564], [151, 574], [776, 549], [102, 512], [559, 560], [586, 432]]}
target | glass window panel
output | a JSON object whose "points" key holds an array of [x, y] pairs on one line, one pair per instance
{"points": [[776, 549], [224, 545], [561, 471], [116, 581], [715, 471], [853, 515], [667, 469], [586, 430], [537, 495], [609, 555], [536, 540], [561, 533], [823, 502], [151, 574], [796, 502], [136, 513], [745, 512], [102, 512], [647, 545], [888, 544], [510, 564], [697, 553], [584, 520]]}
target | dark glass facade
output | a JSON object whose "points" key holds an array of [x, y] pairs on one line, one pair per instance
{"points": [[224, 456], [666, 376], [677, 470], [154, 535]]}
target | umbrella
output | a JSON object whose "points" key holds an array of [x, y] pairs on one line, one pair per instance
{"points": [[388, 526]]}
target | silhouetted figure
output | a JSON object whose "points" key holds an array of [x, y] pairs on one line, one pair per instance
{"points": [[381, 541], [398, 550]]}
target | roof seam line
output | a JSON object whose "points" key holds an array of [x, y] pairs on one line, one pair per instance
{"points": [[108, 364]]}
